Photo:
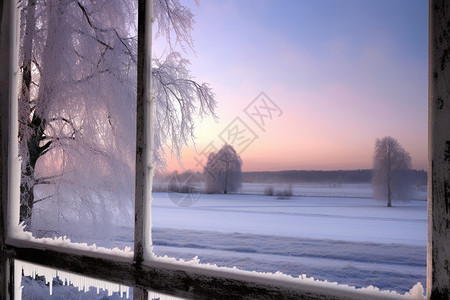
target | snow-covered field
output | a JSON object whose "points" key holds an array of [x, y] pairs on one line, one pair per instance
{"points": [[355, 241], [337, 234], [349, 219]]}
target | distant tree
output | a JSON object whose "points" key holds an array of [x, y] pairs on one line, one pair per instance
{"points": [[223, 171], [390, 170]]}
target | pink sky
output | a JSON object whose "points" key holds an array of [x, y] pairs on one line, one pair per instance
{"points": [[340, 77]]}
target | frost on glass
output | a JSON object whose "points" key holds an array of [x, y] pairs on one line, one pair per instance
{"points": [[77, 120], [37, 282]]}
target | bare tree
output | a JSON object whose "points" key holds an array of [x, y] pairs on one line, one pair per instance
{"points": [[77, 102], [390, 170], [223, 171]]}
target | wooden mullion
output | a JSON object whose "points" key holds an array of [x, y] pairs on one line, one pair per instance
{"points": [[82, 263], [7, 94], [180, 280], [144, 136], [144, 144], [170, 281], [438, 256]]}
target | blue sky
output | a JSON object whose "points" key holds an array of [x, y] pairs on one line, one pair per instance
{"points": [[343, 72]]}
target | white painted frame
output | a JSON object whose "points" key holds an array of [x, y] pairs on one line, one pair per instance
{"points": [[143, 272]]}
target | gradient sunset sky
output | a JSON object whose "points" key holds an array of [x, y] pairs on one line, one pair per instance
{"points": [[340, 72]]}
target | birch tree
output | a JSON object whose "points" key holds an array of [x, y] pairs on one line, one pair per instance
{"points": [[390, 171], [77, 103], [223, 171]]}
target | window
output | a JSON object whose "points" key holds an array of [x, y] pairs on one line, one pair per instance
{"points": [[142, 272]]}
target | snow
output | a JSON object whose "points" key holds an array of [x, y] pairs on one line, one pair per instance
{"points": [[349, 219], [354, 241], [18, 236], [369, 292], [346, 242]]}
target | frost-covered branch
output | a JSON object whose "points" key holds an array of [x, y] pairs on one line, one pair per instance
{"points": [[179, 100], [172, 18]]}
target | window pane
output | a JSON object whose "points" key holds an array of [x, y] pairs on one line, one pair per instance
{"points": [[77, 106], [303, 91], [37, 282]]}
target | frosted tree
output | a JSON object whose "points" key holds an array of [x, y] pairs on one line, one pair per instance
{"points": [[390, 170], [76, 109], [223, 171], [77, 103]]}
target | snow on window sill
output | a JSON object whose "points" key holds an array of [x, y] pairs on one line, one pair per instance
{"points": [[196, 269], [302, 283], [20, 238]]}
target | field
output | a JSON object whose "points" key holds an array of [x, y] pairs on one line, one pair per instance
{"points": [[330, 232], [348, 238]]}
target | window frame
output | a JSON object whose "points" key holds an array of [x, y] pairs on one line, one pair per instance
{"points": [[143, 272]]}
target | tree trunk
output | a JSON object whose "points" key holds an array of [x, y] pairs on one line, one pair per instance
{"points": [[389, 179], [26, 197], [35, 120], [28, 181], [27, 176], [226, 181], [389, 195]]}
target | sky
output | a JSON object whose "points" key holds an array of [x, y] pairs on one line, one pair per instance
{"points": [[334, 77]]}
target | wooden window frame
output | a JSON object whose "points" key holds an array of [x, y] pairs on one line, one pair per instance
{"points": [[197, 282]]}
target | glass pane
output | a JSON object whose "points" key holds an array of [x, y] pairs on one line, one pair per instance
{"points": [[303, 91], [37, 282], [77, 107]]}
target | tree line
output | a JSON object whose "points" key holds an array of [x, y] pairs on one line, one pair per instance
{"points": [[417, 177]]}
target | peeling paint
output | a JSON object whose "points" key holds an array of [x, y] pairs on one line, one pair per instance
{"points": [[445, 56], [447, 196], [440, 102], [447, 151]]}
